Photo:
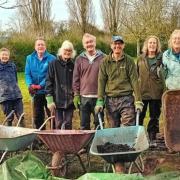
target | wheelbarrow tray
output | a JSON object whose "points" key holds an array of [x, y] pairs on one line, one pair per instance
{"points": [[133, 136], [171, 117], [15, 138], [66, 141]]}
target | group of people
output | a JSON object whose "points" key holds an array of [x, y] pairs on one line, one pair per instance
{"points": [[93, 81]]}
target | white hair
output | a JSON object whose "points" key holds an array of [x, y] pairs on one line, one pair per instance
{"points": [[66, 45]]}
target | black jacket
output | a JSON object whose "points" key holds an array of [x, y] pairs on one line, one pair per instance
{"points": [[59, 82]]}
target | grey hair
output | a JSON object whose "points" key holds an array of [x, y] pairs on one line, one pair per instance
{"points": [[66, 45], [87, 35], [145, 46], [176, 31]]}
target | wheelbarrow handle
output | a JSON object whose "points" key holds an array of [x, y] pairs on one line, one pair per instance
{"points": [[100, 120], [49, 118], [9, 115], [137, 117]]}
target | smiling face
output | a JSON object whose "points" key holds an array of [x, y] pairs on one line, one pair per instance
{"points": [[66, 54], [40, 47], [152, 45], [89, 44], [4, 56], [117, 48], [175, 41]]}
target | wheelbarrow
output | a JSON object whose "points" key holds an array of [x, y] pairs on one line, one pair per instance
{"points": [[170, 109], [133, 136], [63, 143], [15, 138]]}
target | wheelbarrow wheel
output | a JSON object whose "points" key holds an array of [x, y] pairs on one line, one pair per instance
{"points": [[59, 165]]}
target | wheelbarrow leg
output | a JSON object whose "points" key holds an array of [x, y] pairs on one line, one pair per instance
{"points": [[2, 157], [82, 164]]}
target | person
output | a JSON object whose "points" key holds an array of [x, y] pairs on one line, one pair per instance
{"points": [[59, 86], [171, 60], [10, 94], [117, 81], [35, 75], [149, 66], [85, 82]]}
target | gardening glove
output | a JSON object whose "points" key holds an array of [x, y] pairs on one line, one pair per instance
{"points": [[139, 106], [31, 91], [99, 106], [50, 103], [77, 101], [36, 87]]}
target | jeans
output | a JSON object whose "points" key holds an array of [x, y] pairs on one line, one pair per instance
{"points": [[17, 106], [86, 109], [64, 116], [121, 110], [39, 104]]}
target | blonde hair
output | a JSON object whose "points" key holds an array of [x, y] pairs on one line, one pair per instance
{"points": [[145, 46], [66, 45], [176, 31], [87, 35], [5, 49]]}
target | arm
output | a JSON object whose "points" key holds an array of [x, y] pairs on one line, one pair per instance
{"points": [[28, 77], [76, 78], [102, 79]]}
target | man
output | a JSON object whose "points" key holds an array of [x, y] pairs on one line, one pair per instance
{"points": [[117, 81], [35, 74], [85, 82]]}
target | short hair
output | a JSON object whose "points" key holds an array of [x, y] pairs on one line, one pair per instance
{"points": [[145, 46], [5, 49], [176, 31], [40, 38], [66, 45], [87, 35]]}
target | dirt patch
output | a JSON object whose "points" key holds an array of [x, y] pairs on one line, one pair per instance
{"points": [[112, 148]]}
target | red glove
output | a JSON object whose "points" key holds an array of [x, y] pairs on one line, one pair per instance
{"points": [[31, 90], [35, 87]]}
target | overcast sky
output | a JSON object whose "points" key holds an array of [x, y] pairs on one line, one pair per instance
{"points": [[59, 12]]}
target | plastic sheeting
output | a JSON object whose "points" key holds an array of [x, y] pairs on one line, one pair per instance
{"points": [[25, 167]]}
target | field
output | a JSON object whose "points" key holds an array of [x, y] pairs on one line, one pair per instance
{"points": [[155, 161]]}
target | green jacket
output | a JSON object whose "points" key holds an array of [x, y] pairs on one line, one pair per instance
{"points": [[118, 78], [150, 77]]}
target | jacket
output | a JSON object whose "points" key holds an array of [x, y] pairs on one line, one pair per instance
{"points": [[150, 77], [9, 89], [59, 82], [118, 78], [36, 70], [85, 74], [171, 64]]}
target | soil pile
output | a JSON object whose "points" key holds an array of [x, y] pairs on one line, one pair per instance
{"points": [[111, 148]]}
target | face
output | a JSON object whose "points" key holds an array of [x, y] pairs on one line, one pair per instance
{"points": [[4, 56], [40, 46], [89, 44], [66, 54], [176, 41], [152, 45], [117, 47]]}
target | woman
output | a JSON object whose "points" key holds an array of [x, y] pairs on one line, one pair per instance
{"points": [[171, 61], [151, 83], [59, 86]]}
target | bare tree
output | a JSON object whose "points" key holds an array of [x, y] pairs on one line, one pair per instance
{"points": [[36, 16], [81, 12], [112, 13], [5, 4]]}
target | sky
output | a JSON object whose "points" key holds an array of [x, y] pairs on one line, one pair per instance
{"points": [[59, 12]]}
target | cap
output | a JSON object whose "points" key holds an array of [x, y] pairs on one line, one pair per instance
{"points": [[117, 38]]}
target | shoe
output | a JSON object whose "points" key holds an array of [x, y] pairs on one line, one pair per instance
{"points": [[119, 168]]}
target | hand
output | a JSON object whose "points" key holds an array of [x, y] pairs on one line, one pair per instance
{"points": [[77, 101], [99, 106], [139, 106], [36, 87]]}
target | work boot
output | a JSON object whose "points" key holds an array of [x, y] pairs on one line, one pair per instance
{"points": [[152, 138], [119, 168]]}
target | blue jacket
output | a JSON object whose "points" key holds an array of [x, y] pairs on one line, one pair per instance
{"points": [[9, 89], [36, 70]]}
